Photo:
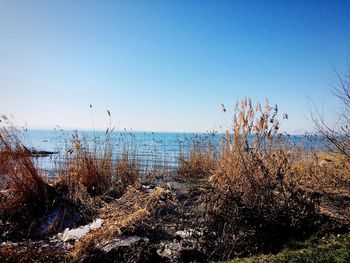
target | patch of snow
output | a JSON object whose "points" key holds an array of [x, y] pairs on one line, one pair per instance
{"points": [[77, 233]]}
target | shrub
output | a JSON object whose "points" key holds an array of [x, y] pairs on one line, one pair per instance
{"points": [[256, 204]]}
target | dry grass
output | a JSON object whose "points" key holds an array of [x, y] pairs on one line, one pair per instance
{"points": [[201, 160], [122, 215], [327, 176], [84, 166], [254, 157], [258, 158], [268, 190], [88, 177], [263, 189], [18, 172], [95, 169], [27, 195]]}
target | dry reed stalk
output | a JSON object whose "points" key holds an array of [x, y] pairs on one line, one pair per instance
{"points": [[200, 160], [95, 168], [253, 159]]}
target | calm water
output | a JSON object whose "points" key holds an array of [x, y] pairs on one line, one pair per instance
{"points": [[151, 149]]}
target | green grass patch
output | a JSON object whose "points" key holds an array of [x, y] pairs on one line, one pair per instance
{"points": [[335, 249]]}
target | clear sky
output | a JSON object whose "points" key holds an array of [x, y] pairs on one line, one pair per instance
{"points": [[167, 65]]}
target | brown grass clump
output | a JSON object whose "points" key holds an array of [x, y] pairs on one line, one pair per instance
{"points": [[83, 165], [201, 160], [95, 169], [21, 176], [28, 195], [127, 172], [326, 175], [260, 202], [254, 157]]}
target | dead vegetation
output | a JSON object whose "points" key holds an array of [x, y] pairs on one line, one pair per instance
{"points": [[34, 205], [134, 214], [270, 191], [200, 160], [26, 193], [249, 193], [255, 205]]}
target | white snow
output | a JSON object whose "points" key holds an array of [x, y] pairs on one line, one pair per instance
{"points": [[77, 233]]}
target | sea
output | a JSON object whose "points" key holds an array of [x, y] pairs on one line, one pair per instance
{"points": [[151, 150]]}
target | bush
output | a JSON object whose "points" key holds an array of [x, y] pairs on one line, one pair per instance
{"points": [[257, 204]]}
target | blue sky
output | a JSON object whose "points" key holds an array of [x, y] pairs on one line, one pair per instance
{"points": [[167, 65]]}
